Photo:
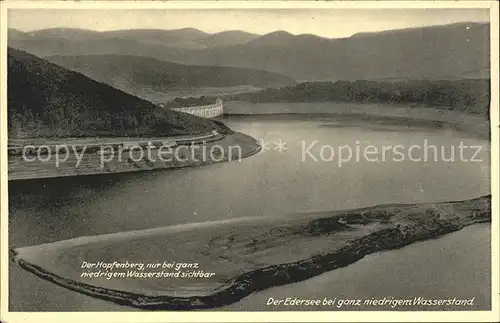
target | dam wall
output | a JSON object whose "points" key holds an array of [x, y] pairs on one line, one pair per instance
{"points": [[204, 111]]}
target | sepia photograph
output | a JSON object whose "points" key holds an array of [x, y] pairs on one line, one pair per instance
{"points": [[254, 160]]}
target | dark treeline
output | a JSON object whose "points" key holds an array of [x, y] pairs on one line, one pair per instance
{"points": [[471, 95]]}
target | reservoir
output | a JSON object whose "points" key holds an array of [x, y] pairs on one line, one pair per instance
{"points": [[456, 266], [285, 178]]}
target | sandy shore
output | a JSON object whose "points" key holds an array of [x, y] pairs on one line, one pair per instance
{"points": [[187, 153], [392, 114], [235, 258], [456, 265]]}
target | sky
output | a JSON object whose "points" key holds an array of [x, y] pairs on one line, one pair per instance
{"points": [[331, 23]]}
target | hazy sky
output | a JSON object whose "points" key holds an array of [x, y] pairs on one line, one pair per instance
{"points": [[323, 22]]}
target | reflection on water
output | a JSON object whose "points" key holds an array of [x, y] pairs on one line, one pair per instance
{"points": [[272, 182]]}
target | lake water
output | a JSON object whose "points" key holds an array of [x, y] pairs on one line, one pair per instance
{"points": [[452, 266], [282, 179]]}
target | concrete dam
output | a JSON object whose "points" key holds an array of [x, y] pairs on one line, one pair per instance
{"points": [[205, 111]]}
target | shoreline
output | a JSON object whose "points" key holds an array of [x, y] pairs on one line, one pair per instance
{"points": [[367, 109], [391, 273], [406, 115], [244, 248], [91, 163], [399, 115]]}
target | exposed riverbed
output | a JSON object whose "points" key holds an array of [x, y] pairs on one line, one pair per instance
{"points": [[273, 182]]}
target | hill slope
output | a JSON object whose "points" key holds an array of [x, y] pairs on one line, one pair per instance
{"points": [[133, 72], [46, 100], [439, 52]]}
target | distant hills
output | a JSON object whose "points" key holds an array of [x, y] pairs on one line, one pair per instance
{"points": [[187, 38], [452, 51], [130, 73], [46, 100]]}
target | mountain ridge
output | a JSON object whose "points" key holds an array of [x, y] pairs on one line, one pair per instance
{"points": [[414, 53], [195, 30]]}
